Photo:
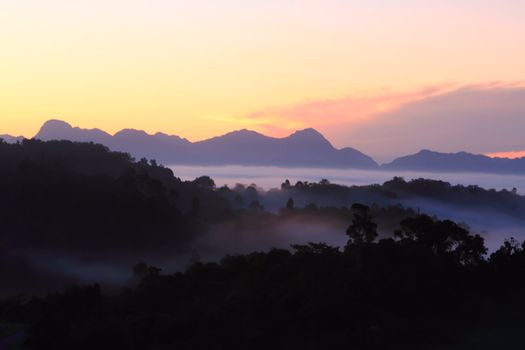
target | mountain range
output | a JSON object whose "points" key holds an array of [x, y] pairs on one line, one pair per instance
{"points": [[426, 160], [303, 148], [306, 148], [11, 139]]}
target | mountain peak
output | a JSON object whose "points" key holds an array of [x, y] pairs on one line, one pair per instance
{"points": [[237, 135], [244, 132], [427, 152], [55, 129], [55, 124], [131, 132], [308, 131], [310, 136]]}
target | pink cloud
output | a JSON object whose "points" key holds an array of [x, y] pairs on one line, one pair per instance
{"points": [[511, 154], [485, 119], [330, 114]]}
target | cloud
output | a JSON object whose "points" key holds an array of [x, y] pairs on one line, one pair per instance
{"points": [[488, 118], [328, 115], [510, 154], [478, 119]]}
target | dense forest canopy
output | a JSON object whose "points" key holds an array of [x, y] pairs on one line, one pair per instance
{"points": [[425, 288]]}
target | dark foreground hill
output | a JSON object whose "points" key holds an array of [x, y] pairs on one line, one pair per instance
{"points": [[81, 202], [429, 287], [307, 148]]}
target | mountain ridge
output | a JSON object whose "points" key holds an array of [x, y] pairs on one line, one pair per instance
{"points": [[307, 147], [11, 139], [427, 160], [302, 148]]}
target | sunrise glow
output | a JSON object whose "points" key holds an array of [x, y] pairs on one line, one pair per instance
{"points": [[202, 68], [511, 155]]}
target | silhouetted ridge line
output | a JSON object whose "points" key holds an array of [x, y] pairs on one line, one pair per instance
{"points": [[426, 160], [11, 139], [303, 148], [307, 148]]}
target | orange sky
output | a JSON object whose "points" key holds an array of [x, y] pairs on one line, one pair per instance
{"points": [[511, 154], [201, 68]]}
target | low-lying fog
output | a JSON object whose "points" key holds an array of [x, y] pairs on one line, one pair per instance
{"points": [[272, 177], [495, 227], [238, 237]]}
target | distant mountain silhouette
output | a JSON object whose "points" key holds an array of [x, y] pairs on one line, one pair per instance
{"points": [[306, 148], [11, 139], [426, 160], [303, 148], [59, 130]]}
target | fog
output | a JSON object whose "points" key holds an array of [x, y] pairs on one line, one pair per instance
{"points": [[264, 231], [232, 238], [492, 225], [228, 238], [272, 177]]}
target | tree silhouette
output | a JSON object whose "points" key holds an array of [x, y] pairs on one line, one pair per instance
{"points": [[205, 182], [286, 184], [195, 206], [443, 238], [256, 205], [362, 229], [140, 270]]}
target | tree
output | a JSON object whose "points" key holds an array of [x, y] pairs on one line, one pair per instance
{"points": [[195, 258], [195, 206], [140, 270], [205, 182], [154, 271], [362, 229], [510, 248], [443, 238], [315, 249], [290, 204], [324, 182], [256, 205]]}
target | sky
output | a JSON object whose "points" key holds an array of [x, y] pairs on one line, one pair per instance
{"points": [[200, 68]]}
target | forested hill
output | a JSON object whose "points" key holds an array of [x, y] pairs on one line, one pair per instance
{"points": [[425, 194], [34, 162], [80, 200], [430, 287]]}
